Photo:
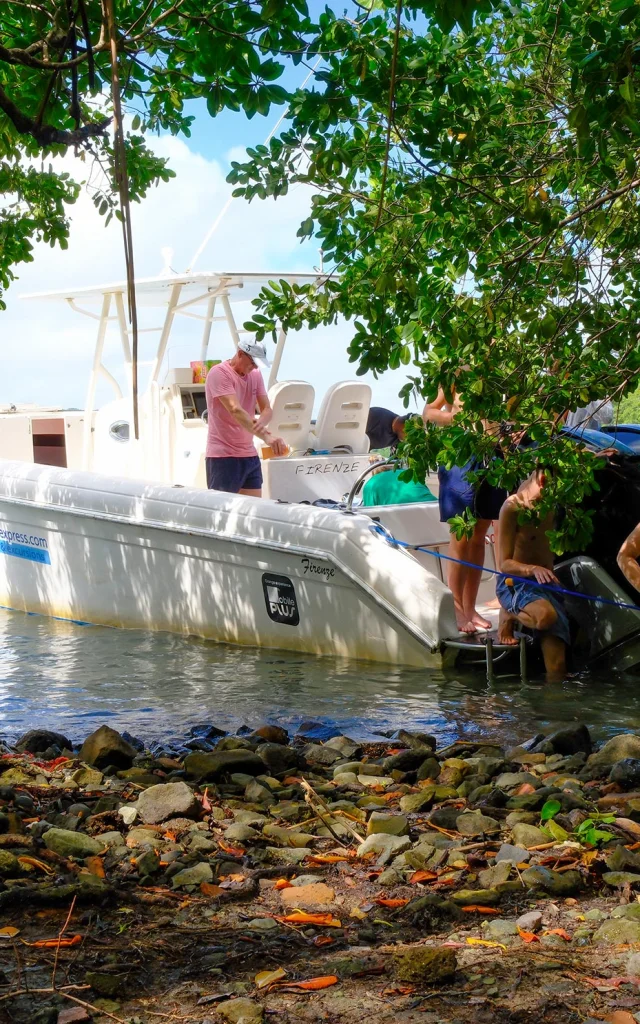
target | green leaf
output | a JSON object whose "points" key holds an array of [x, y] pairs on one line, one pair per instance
{"points": [[549, 809]]}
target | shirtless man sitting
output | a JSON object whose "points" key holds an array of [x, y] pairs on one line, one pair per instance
{"points": [[628, 557], [524, 550]]}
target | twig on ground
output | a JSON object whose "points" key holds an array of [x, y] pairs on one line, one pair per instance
{"points": [[311, 797], [60, 934]]}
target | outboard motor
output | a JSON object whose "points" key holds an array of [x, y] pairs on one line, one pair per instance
{"points": [[606, 633]]}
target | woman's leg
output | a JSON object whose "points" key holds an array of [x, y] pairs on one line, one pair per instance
{"points": [[456, 578], [475, 554]]}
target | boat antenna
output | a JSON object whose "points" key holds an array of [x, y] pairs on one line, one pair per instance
{"points": [[214, 227]]}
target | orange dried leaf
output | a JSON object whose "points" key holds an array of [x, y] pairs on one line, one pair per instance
{"points": [[422, 876], [398, 990], [95, 865], [9, 932], [487, 943], [283, 883], [479, 910], [558, 931], [383, 902], [265, 978], [621, 1017], [33, 862], [64, 943], [235, 851], [325, 858], [525, 789], [323, 940], [528, 936], [302, 917], [170, 836], [208, 889], [314, 983]]}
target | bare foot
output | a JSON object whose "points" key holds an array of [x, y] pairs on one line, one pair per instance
{"points": [[465, 625], [505, 629], [479, 621], [493, 604]]}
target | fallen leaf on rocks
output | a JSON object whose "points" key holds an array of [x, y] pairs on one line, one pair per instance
{"points": [[313, 984], [382, 901], [528, 936], [265, 978], [235, 851], [620, 1017], [558, 931], [9, 932], [283, 883], [485, 942], [525, 789], [206, 803], [360, 915], [628, 825], [326, 858], [95, 865], [301, 917], [422, 876], [33, 862], [210, 890], [71, 940], [473, 909], [398, 990], [606, 984], [73, 1015], [235, 876], [322, 940]]}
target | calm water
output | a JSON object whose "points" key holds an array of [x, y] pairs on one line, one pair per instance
{"points": [[73, 678]]}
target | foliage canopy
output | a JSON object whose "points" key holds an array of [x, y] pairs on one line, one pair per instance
{"points": [[475, 176]]}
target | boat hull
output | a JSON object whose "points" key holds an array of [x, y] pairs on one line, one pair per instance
{"points": [[232, 569]]}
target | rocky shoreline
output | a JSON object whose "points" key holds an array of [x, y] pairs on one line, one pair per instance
{"points": [[317, 878]]}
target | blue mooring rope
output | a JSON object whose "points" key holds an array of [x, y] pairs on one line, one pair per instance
{"points": [[506, 575]]}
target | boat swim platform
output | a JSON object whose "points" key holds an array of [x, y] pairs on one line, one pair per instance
{"points": [[490, 646]]}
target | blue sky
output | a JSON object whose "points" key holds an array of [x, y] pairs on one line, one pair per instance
{"points": [[48, 348]]}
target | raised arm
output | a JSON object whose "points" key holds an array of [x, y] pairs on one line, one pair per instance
{"points": [[507, 543], [266, 412], [628, 557], [256, 427], [440, 411]]}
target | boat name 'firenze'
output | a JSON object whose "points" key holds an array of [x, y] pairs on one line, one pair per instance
{"points": [[322, 570], [328, 467]]}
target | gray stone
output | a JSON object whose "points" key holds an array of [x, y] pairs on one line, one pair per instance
{"points": [[346, 779], [595, 915], [169, 800], [617, 931], [512, 780], [514, 854], [249, 818], [500, 930], [201, 843], [414, 802], [384, 846], [375, 780], [407, 760], [71, 844], [223, 762], [531, 922], [9, 866], [631, 911], [494, 876], [475, 823], [314, 753], [626, 773], [105, 746], [357, 767], [429, 769], [554, 882], [521, 817], [241, 1011], [286, 855], [619, 879], [257, 793], [36, 741], [475, 897], [391, 824], [239, 833], [128, 813], [111, 839], [633, 966], [572, 740], [144, 837], [616, 749], [528, 835], [345, 746], [279, 759], [195, 875], [286, 836]]}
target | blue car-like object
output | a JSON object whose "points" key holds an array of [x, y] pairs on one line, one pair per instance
{"points": [[627, 433], [599, 440]]}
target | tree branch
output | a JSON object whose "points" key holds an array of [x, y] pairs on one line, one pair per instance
{"points": [[46, 134]]}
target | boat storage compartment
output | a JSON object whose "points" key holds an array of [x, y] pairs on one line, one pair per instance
{"points": [[49, 447]]}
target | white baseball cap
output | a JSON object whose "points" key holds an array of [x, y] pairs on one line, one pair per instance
{"points": [[255, 349]]}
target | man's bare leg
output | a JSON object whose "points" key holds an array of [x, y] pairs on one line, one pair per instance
{"points": [[506, 623], [554, 652], [475, 554]]}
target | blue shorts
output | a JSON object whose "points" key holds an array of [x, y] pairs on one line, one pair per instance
{"points": [[521, 593], [457, 494], [234, 474]]}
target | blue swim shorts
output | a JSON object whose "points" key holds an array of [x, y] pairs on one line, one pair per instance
{"points": [[234, 474], [457, 494], [523, 592]]}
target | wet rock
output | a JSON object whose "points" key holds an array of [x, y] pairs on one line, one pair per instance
{"points": [[513, 854], [104, 984], [171, 799], [9, 866], [626, 773], [71, 844], [619, 748], [572, 740], [195, 875], [475, 823], [424, 965], [241, 1011], [494, 877], [144, 837], [619, 879], [271, 734], [445, 817], [346, 747], [390, 824], [36, 741], [429, 769], [346, 779], [631, 911], [633, 966], [375, 780], [278, 758], [239, 833], [316, 731], [621, 859], [316, 894], [521, 817], [111, 839], [89, 778], [320, 755], [105, 747], [128, 813], [414, 802], [407, 760], [285, 855], [416, 739], [531, 922], [528, 835], [257, 793], [616, 931], [223, 762], [554, 882], [384, 846], [286, 836]]}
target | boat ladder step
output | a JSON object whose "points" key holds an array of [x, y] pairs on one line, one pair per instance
{"points": [[489, 643]]}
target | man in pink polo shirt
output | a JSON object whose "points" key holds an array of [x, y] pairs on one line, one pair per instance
{"points": [[234, 390]]}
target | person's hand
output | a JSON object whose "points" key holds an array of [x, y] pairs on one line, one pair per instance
{"points": [[543, 575], [278, 446]]}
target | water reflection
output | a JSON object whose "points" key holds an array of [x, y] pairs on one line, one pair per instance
{"points": [[71, 678]]}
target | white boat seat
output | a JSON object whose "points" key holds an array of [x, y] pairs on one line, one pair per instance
{"points": [[342, 419], [292, 404]]}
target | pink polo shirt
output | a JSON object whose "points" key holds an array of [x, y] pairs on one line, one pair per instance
{"points": [[226, 438]]}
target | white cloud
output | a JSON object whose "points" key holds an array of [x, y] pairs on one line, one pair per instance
{"points": [[47, 348]]}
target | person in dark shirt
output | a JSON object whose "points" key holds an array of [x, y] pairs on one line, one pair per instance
{"points": [[384, 428]]}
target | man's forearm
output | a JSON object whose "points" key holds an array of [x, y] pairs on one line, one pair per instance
{"points": [[254, 427], [631, 569], [517, 568]]}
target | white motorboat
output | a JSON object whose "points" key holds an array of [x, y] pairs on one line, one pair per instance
{"points": [[99, 527]]}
